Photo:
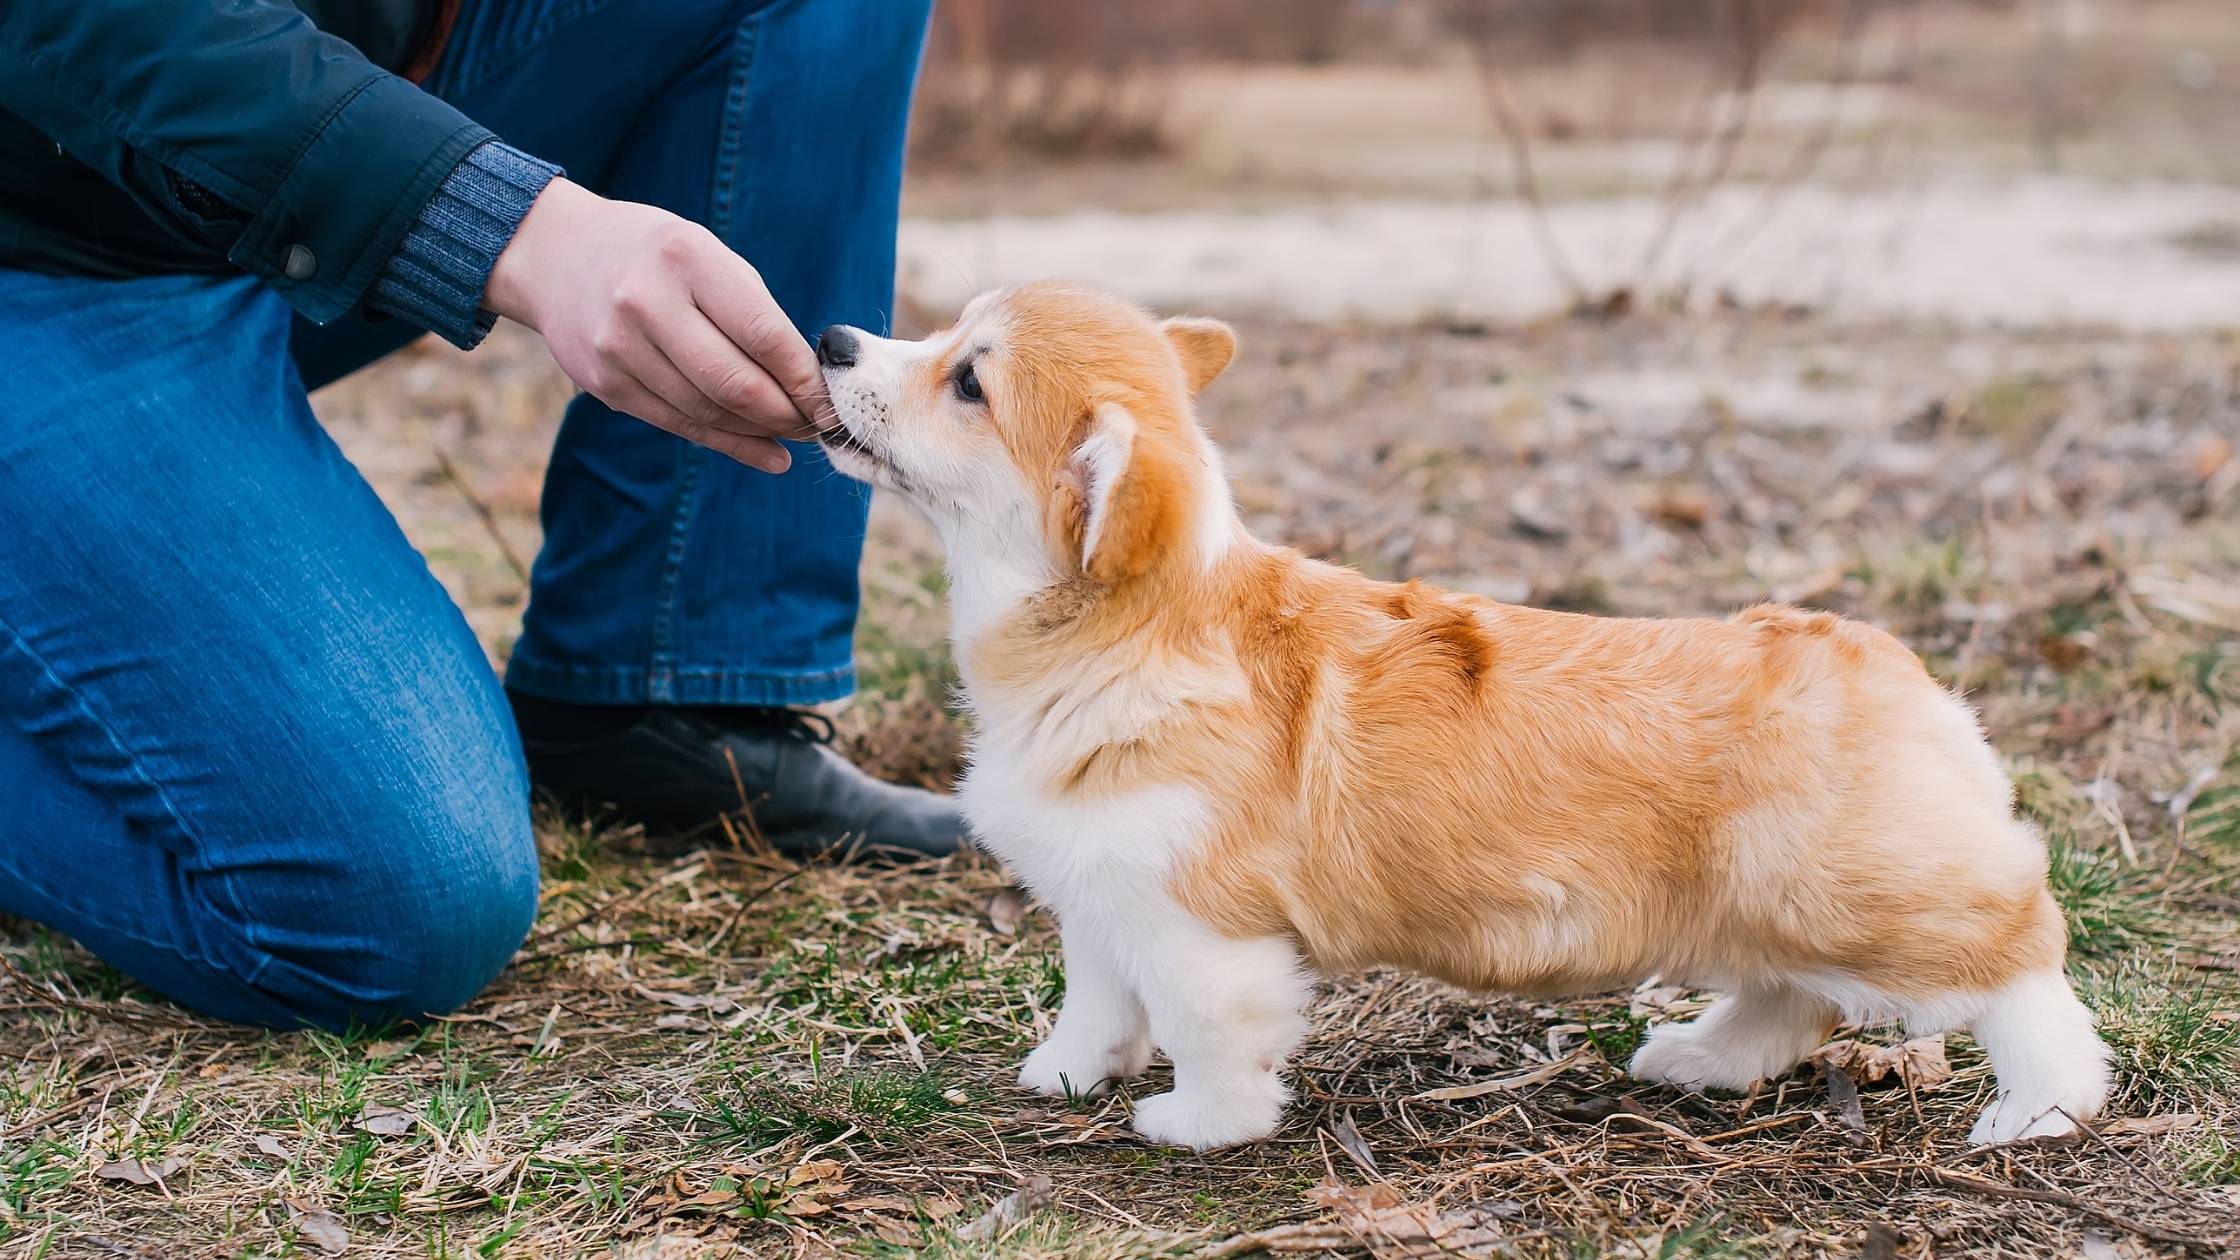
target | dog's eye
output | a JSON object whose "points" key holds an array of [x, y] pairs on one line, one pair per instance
{"points": [[968, 384]]}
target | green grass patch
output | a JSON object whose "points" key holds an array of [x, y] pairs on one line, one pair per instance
{"points": [[2017, 410], [1918, 577], [1043, 1236], [2176, 1038], [2213, 820], [32, 1170], [2211, 1159], [2109, 910], [762, 1110]]}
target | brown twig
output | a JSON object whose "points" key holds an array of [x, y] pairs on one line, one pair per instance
{"points": [[111, 1010], [483, 513], [586, 947], [1952, 1180]]}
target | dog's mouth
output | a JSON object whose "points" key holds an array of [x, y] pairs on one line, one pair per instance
{"points": [[837, 435]]}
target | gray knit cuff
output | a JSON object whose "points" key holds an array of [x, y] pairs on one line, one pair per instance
{"points": [[436, 277]]}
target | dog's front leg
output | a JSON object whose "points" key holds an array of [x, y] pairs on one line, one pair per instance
{"points": [[1102, 1034], [1228, 1012]]}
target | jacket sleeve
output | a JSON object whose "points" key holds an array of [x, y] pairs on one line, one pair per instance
{"points": [[239, 123]]}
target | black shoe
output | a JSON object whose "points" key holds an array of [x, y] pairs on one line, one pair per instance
{"points": [[678, 771]]}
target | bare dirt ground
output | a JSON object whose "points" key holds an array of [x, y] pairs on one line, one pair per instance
{"points": [[720, 1053]]}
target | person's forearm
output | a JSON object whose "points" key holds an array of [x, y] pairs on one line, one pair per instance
{"points": [[241, 126], [441, 269]]}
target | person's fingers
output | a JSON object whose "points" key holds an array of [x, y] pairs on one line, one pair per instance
{"points": [[734, 383], [633, 399], [686, 420], [642, 400], [766, 454], [651, 368], [730, 293]]}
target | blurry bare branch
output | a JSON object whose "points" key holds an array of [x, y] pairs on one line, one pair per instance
{"points": [[1517, 143], [2046, 57], [1804, 159], [1752, 28]]}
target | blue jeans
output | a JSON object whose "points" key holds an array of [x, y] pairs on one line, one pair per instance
{"points": [[250, 753]]}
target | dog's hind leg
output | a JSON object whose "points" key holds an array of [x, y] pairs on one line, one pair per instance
{"points": [[1746, 1036], [2052, 1067]]}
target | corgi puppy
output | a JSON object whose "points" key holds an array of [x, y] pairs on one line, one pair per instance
{"points": [[1226, 767]]}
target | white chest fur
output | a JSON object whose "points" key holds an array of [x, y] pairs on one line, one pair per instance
{"points": [[1079, 851]]}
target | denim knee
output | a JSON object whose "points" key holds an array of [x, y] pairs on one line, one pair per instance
{"points": [[440, 940], [415, 900]]}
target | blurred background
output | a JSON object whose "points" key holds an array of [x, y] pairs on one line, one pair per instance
{"points": [[2024, 161]]}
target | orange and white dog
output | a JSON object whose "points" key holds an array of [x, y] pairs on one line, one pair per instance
{"points": [[1225, 766]]}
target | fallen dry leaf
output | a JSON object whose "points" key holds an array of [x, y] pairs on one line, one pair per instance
{"points": [[2150, 1126], [2207, 455], [1031, 1197], [1919, 1063], [713, 1003], [2096, 1245], [941, 1207], [1515, 1080], [1685, 506], [386, 1121], [1843, 1096], [893, 1231], [1006, 911], [1413, 1229], [318, 1226], [1338, 1196], [138, 1172], [815, 1170], [267, 1144], [1356, 1147]]}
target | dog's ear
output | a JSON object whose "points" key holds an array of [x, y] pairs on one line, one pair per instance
{"points": [[1134, 498], [1205, 346]]}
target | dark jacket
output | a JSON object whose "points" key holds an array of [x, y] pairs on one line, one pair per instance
{"points": [[148, 136]]}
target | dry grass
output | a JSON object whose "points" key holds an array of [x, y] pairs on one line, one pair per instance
{"points": [[720, 1052]]}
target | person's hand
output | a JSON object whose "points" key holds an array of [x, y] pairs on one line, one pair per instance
{"points": [[653, 316]]}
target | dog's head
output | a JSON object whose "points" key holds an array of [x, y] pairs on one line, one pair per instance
{"points": [[1056, 419]]}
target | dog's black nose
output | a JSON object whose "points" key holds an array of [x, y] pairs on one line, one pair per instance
{"points": [[836, 347]]}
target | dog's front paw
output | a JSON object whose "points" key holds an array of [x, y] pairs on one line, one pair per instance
{"points": [[1683, 1055], [1060, 1068], [2053, 1107], [2012, 1119], [1174, 1119]]}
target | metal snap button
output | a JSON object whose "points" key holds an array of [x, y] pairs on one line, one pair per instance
{"points": [[301, 264]]}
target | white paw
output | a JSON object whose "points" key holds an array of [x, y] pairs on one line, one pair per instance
{"points": [[1059, 1068], [1175, 1120], [1683, 1055], [2011, 1119]]}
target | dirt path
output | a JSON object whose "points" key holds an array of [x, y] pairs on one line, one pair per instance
{"points": [[2039, 252]]}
